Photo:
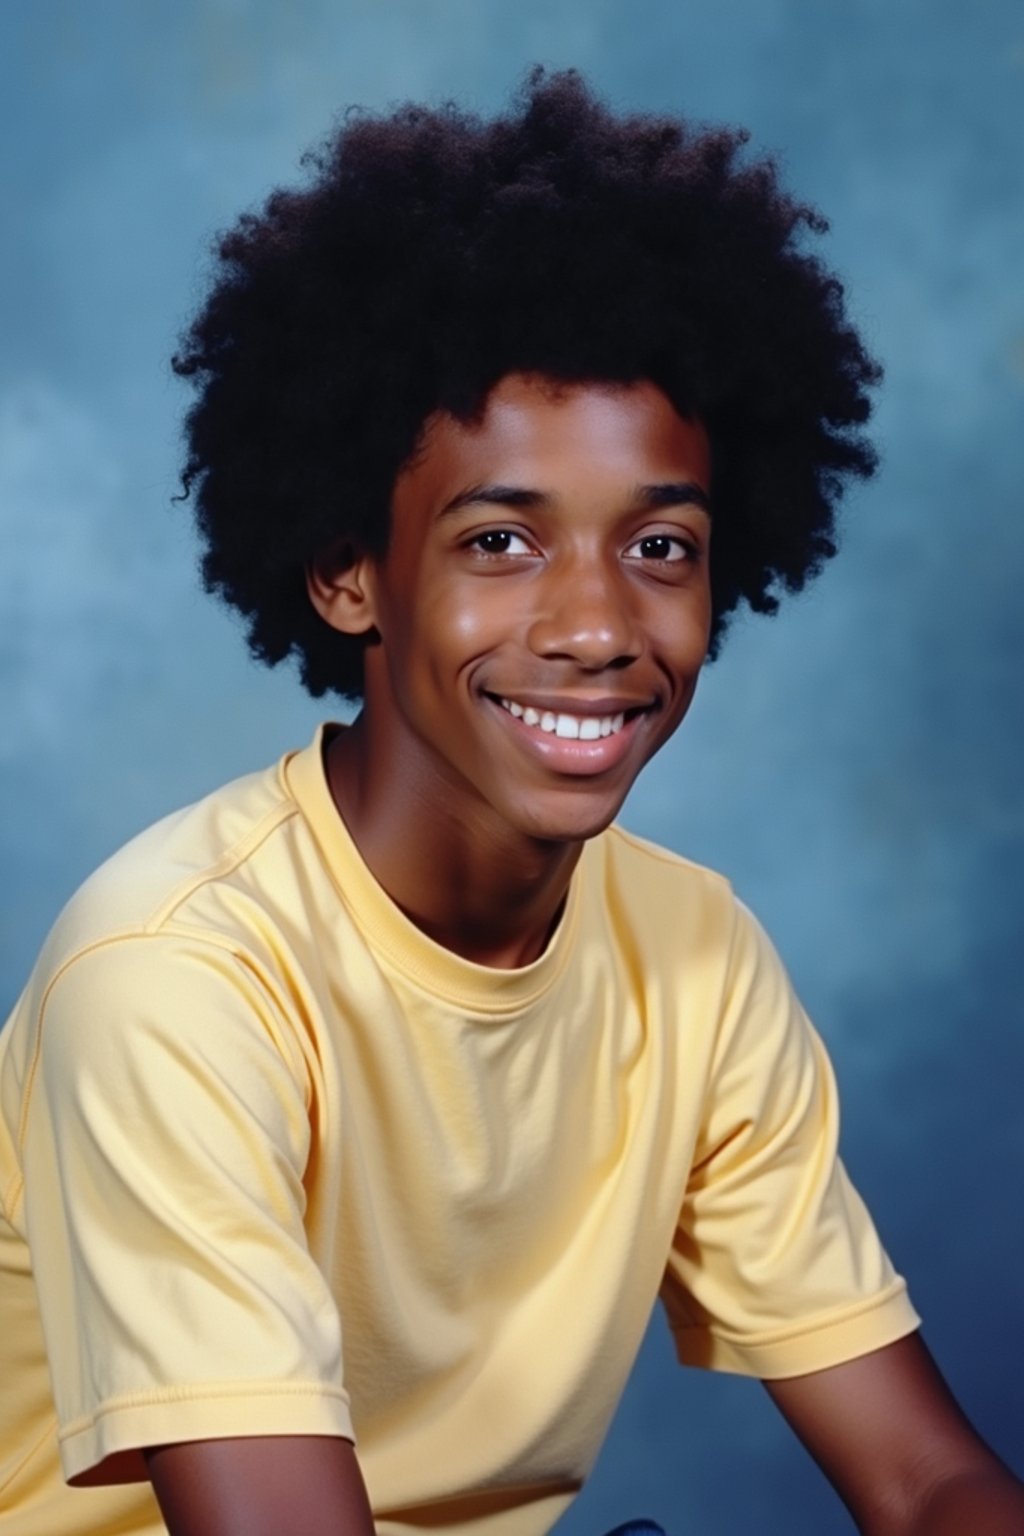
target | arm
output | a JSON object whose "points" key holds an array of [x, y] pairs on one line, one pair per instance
{"points": [[891, 1438], [165, 1151], [268, 1485]]}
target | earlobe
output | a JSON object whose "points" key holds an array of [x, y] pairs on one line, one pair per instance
{"points": [[340, 587]]}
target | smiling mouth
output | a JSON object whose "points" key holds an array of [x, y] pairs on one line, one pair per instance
{"points": [[568, 726]]}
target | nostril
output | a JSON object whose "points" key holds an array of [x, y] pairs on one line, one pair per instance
{"points": [[596, 636]]}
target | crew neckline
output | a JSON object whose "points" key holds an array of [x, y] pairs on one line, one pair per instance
{"points": [[395, 937]]}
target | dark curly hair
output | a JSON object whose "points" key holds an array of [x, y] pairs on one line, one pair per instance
{"points": [[432, 253]]}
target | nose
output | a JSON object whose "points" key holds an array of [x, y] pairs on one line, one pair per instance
{"points": [[586, 616]]}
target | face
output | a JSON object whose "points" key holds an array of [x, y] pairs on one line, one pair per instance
{"points": [[544, 607]]}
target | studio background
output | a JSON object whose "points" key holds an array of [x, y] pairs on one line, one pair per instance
{"points": [[853, 765]]}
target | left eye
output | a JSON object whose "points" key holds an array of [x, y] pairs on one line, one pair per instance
{"points": [[659, 546], [501, 541]]}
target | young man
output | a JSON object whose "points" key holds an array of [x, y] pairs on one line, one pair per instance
{"points": [[372, 1102]]}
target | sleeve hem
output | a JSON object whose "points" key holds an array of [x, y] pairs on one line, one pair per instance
{"points": [[814, 1344], [107, 1447]]}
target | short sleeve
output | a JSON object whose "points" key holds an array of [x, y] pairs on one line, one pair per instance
{"points": [[776, 1268], [166, 1136]]}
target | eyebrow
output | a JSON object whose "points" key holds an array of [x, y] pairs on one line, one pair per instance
{"points": [[680, 493], [649, 498]]}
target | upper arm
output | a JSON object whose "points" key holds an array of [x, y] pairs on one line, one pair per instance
{"points": [[775, 1267], [307, 1485], [885, 1429], [164, 1151]]}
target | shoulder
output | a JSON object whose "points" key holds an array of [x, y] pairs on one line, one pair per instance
{"points": [[683, 924], [621, 850], [157, 973], [646, 884], [158, 874], [180, 913]]}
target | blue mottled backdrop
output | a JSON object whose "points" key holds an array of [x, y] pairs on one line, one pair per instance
{"points": [[853, 765]]}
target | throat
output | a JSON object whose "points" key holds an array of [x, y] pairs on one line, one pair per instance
{"points": [[490, 901], [500, 942], [483, 903]]}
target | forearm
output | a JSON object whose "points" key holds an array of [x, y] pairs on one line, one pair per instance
{"points": [[986, 1499], [898, 1449]]}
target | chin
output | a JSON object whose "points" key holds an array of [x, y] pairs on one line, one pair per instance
{"points": [[562, 824]]}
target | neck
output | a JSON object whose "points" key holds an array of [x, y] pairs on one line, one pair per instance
{"points": [[486, 893]]}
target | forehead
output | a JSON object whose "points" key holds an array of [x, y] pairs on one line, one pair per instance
{"points": [[541, 434]]}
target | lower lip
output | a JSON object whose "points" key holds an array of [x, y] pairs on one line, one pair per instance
{"points": [[568, 754]]}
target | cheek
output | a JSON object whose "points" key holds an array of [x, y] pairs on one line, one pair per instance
{"points": [[680, 630], [468, 618]]}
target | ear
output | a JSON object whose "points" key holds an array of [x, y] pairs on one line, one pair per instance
{"points": [[340, 585]]}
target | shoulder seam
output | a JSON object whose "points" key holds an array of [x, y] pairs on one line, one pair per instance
{"points": [[668, 855], [109, 940], [229, 860], [150, 928]]}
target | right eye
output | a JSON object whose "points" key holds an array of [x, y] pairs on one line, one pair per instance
{"points": [[500, 541]]}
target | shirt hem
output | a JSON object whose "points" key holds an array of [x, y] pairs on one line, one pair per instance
{"points": [[814, 1345], [107, 1447]]}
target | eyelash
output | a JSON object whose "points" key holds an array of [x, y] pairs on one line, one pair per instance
{"points": [[688, 550], [497, 533]]}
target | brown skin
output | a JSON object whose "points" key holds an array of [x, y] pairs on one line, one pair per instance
{"points": [[890, 1437], [884, 1429], [600, 603], [572, 575], [267, 1485]]}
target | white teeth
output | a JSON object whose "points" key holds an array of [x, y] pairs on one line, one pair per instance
{"points": [[569, 727]]}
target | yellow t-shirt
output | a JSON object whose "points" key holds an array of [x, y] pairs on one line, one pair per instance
{"points": [[272, 1161]]}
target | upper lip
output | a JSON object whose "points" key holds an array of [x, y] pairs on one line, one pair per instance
{"points": [[549, 703]]}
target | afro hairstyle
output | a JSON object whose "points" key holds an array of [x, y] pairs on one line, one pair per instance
{"points": [[431, 253]]}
